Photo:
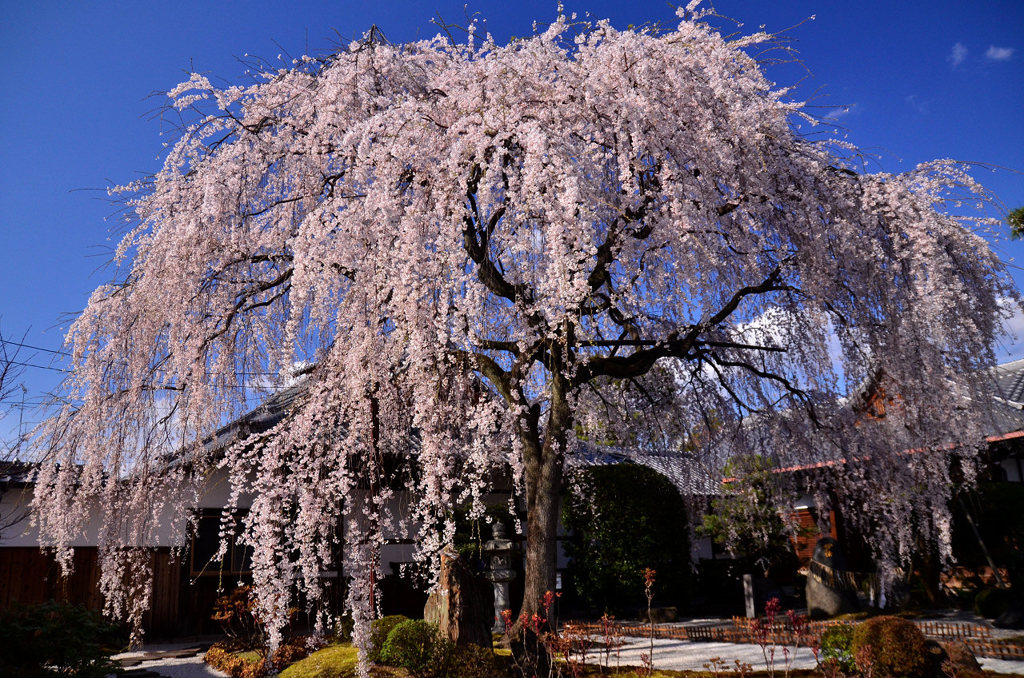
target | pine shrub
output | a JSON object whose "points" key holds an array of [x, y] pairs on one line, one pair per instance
{"points": [[57, 639], [991, 602]]}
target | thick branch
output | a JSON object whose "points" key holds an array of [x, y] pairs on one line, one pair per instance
{"points": [[490, 369], [640, 362]]}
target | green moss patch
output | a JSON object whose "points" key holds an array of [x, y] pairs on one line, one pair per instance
{"points": [[336, 661]]}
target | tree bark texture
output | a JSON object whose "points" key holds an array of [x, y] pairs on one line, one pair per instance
{"points": [[543, 460]]}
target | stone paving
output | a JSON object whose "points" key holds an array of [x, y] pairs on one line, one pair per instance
{"points": [[171, 660]]}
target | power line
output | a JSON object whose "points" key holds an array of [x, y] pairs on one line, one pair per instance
{"points": [[30, 346], [40, 367]]}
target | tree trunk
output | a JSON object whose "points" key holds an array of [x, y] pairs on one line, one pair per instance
{"points": [[543, 485], [543, 475], [543, 470]]}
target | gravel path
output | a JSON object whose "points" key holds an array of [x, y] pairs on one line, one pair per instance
{"points": [[668, 654], [681, 655], [185, 660], [171, 660]]}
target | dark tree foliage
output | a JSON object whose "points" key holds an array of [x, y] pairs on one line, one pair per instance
{"points": [[625, 518], [57, 639], [746, 520], [998, 512]]}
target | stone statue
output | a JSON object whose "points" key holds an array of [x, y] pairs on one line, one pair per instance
{"points": [[460, 606]]}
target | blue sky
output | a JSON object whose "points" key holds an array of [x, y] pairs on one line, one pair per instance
{"points": [[907, 82]]}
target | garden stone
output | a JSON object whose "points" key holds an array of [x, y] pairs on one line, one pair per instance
{"points": [[1013, 618], [462, 604], [830, 587], [954, 659]]}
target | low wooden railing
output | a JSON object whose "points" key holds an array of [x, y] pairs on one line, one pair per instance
{"points": [[741, 630]]}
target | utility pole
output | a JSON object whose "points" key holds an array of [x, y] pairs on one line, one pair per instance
{"points": [[21, 419]]}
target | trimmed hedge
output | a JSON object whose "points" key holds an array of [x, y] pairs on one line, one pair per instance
{"points": [[379, 631], [894, 647], [415, 645]]}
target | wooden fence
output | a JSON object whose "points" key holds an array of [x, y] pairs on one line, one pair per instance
{"points": [[29, 576]]}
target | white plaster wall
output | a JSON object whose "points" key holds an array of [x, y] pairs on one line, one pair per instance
{"points": [[167, 530], [14, 518], [1012, 470], [214, 495], [700, 549]]}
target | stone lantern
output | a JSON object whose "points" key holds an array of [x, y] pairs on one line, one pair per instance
{"points": [[499, 553]]}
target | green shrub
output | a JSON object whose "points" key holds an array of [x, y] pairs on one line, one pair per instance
{"points": [[991, 602], [895, 648], [413, 645], [837, 646], [379, 630], [418, 647], [57, 639]]}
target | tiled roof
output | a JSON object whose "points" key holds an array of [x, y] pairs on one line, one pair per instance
{"points": [[16, 474], [1008, 403], [1010, 380], [685, 471]]}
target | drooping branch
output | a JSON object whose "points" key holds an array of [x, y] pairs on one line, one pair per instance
{"points": [[243, 302], [475, 239]]}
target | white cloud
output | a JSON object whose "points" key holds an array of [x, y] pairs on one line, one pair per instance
{"points": [[1010, 346], [922, 107], [999, 53], [958, 54], [837, 113]]}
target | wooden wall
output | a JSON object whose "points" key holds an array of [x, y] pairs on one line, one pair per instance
{"points": [[28, 576], [808, 533]]}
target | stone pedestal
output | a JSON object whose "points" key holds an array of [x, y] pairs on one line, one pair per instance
{"points": [[499, 553], [748, 596], [831, 588]]}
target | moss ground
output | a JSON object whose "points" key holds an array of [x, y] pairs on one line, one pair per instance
{"points": [[336, 661]]}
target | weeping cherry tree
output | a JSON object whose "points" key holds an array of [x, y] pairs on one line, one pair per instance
{"points": [[493, 256]]}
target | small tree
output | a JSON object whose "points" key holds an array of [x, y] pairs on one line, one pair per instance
{"points": [[746, 519]]}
